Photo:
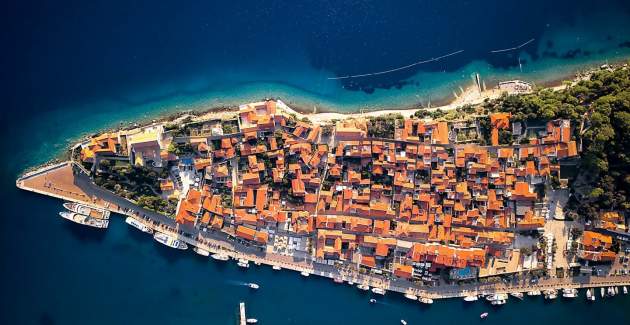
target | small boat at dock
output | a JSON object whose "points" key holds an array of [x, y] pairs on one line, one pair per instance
{"points": [[84, 220], [305, 273], [616, 290], [220, 257], [363, 287], [257, 263], [602, 292], [425, 300], [625, 290], [338, 280], [534, 293], [169, 241], [350, 283], [410, 296], [498, 302], [471, 298], [483, 315], [550, 294], [610, 292], [87, 210], [276, 268], [518, 295], [138, 225], [379, 291], [251, 321], [253, 285], [590, 295], [201, 251], [569, 293], [243, 263], [497, 297]]}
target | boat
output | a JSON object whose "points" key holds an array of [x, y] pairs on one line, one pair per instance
{"points": [[534, 293], [518, 295], [169, 241], [253, 286], [497, 296], [471, 298], [498, 302], [601, 292], [305, 273], [201, 251], [372, 300], [364, 287], [616, 290], [611, 291], [625, 290], [483, 315], [350, 283], [220, 257], [277, 268], [410, 296], [87, 210], [84, 220], [138, 225], [257, 263], [569, 293], [243, 263], [403, 322], [590, 294], [379, 291], [251, 321], [425, 300], [551, 294], [338, 280]]}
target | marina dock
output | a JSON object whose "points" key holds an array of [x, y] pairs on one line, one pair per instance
{"points": [[243, 318], [63, 182]]}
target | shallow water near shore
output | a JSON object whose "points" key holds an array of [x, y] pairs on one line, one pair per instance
{"points": [[83, 67]]}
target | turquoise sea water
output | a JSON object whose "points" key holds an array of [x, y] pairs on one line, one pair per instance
{"points": [[82, 66]]}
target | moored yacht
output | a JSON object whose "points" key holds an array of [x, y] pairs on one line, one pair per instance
{"points": [[471, 298], [425, 300], [252, 321], [534, 293], [498, 302], [201, 251], [243, 263], [363, 287], [220, 257], [84, 220], [305, 273], [379, 291], [550, 294], [138, 225], [497, 296], [625, 290], [601, 291], [276, 268], [87, 210], [518, 295], [590, 294], [169, 241], [569, 293], [410, 296]]}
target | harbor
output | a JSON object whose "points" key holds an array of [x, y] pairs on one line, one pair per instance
{"points": [[59, 181]]}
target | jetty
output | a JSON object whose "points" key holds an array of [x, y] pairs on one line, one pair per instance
{"points": [[242, 316]]}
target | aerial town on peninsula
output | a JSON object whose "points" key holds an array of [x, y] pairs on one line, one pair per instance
{"points": [[463, 203]]}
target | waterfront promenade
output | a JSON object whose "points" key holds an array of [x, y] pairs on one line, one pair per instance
{"points": [[60, 181]]}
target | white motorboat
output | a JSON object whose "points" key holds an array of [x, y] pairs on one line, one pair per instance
{"points": [[498, 302], [569, 293], [220, 257], [138, 225], [625, 290], [84, 220], [550, 294], [252, 321], [410, 296], [363, 287], [338, 280], [87, 210], [483, 315], [372, 300], [253, 286], [590, 294], [425, 300], [471, 298], [169, 241], [243, 263], [518, 295], [257, 263], [497, 296], [350, 283], [276, 267], [379, 291], [534, 293], [305, 273], [611, 291], [201, 251], [602, 292], [403, 322], [616, 290]]}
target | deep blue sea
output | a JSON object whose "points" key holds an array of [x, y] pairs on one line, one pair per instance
{"points": [[73, 67]]}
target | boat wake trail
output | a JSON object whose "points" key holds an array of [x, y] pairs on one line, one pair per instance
{"points": [[237, 283], [513, 48], [397, 69]]}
